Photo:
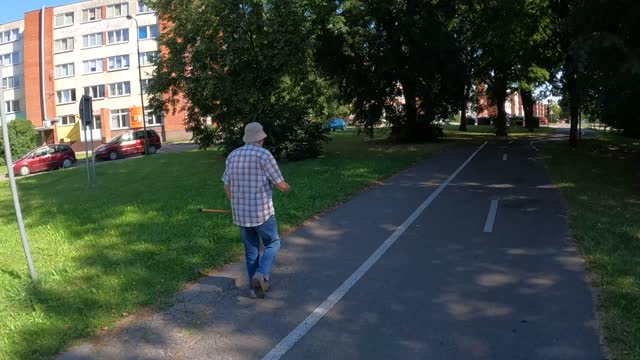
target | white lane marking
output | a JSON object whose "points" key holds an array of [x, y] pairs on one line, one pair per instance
{"points": [[511, 142], [317, 314], [491, 217], [504, 157]]}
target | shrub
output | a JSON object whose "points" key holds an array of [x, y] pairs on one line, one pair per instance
{"points": [[22, 137]]}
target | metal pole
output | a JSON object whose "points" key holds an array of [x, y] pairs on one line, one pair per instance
{"points": [[86, 154], [144, 120], [12, 182], [93, 156]]}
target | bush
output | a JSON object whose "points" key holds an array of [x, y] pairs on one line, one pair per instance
{"points": [[22, 137]]}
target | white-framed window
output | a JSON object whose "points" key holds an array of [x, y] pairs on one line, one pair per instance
{"points": [[9, 59], [143, 8], [145, 84], [118, 62], [152, 118], [12, 106], [93, 66], [97, 123], [9, 36], [148, 58], [93, 14], [65, 70], [148, 32], [120, 89], [120, 119], [92, 40], [66, 96], [65, 19], [62, 45], [118, 36], [67, 120], [10, 82], [117, 10], [96, 91]]}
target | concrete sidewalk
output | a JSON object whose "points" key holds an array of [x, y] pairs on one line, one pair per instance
{"points": [[446, 289]]}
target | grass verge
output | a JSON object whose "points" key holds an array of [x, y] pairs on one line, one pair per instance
{"points": [[602, 179], [137, 237], [488, 130]]}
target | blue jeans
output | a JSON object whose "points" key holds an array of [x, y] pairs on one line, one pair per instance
{"points": [[251, 236]]}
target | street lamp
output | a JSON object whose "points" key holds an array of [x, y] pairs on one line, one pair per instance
{"points": [[144, 120]]}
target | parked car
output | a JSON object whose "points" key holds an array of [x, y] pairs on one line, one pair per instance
{"points": [[544, 121], [471, 120], [129, 143], [43, 158], [336, 124]]}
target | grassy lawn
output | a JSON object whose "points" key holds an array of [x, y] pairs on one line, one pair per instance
{"points": [[488, 130], [138, 237], [602, 188]]}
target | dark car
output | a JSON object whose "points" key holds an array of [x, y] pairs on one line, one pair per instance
{"points": [[43, 158], [129, 143], [336, 124]]}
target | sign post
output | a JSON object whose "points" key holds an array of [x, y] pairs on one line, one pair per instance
{"points": [[86, 116], [14, 189]]}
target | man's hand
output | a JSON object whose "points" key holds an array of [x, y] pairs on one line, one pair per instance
{"points": [[227, 190], [283, 186]]}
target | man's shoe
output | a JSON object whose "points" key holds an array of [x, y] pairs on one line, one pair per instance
{"points": [[258, 284], [267, 285]]}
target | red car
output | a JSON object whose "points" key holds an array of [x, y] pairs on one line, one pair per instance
{"points": [[544, 121], [129, 143], [45, 158]]}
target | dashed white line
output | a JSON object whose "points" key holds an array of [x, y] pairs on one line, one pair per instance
{"points": [[317, 314], [491, 217], [504, 157]]}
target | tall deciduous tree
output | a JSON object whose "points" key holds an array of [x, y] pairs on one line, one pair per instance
{"points": [[237, 61], [396, 58]]}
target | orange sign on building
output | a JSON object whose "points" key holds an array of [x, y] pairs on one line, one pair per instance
{"points": [[135, 117]]}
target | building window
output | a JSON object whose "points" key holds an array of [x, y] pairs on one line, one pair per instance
{"points": [[118, 62], [117, 10], [152, 118], [120, 89], [92, 14], [67, 120], [64, 70], [62, 45], [118, 36], [92, 40], [148, 32], [66, 96], [10, 82], [143, 8], [65, 19], [97, 124], [9, 36], [96, 92], [12, 106], [145, 84], [9, 59], [148, 58], [119, 119], [93, 66]]}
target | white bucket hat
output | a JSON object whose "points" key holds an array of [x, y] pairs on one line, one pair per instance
{"points": [[253, 132]]}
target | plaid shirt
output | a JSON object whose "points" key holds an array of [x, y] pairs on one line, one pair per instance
{"points": [[250, 172]]}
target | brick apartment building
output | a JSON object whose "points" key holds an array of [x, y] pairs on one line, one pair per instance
{"points": [[57, 54], [513, 105]]}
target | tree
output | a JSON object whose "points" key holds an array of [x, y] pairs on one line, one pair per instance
{"points": [[239, 61], [22, 137], [393, 58]]}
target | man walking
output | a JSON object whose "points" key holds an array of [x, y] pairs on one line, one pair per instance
{"points": [[250, 173]]}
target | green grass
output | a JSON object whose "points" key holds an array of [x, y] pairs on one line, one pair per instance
{"points": [[81, 155], [602, 188], [138, 237], [488, 130]]}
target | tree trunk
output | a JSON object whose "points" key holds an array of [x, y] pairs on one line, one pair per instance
{"points": [[411, 112], [499, 92], [463, 113], [527, 105], [574, 110]]}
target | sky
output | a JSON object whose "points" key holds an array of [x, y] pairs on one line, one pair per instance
{"points": [[14, 9]]}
